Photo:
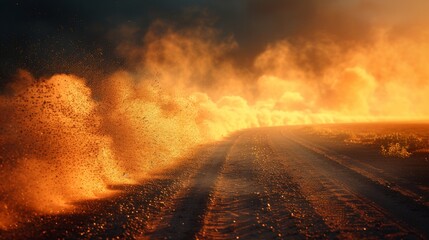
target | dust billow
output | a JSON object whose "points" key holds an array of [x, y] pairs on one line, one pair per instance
{"points": [[61, 144], [52, 150], [63, 140]]}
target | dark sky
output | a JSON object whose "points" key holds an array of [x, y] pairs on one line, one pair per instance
{"points": [[74, 36], [48, 36]]}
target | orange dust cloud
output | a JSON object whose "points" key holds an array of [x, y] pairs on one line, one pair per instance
{"points": [[52, 151], [63, 140]]}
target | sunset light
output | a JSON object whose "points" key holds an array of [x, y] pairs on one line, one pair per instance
{"points": [[214, 120]]}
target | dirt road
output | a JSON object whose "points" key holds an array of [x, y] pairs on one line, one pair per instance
{"points": [[257, 184]]}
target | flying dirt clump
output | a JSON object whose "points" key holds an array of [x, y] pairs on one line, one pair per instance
{"points": [[52, 150]]}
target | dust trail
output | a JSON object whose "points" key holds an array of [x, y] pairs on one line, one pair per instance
{"points": [[63, 140], [52, 149]]}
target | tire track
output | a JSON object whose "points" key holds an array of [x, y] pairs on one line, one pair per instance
{"points": [[184, 216], [254, 199], [376, 175], [295, 215], [328, 187], [237, 210]]}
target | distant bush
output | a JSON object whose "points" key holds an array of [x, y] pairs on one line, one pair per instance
{"points": [[391, 144], [395, 150]]}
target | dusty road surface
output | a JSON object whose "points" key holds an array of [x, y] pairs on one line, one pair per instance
{"points": [[272, 183]]}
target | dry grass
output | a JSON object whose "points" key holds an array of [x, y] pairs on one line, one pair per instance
{"points": [[395, 150], [400, 144]]}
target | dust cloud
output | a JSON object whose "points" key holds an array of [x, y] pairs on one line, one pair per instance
{"points": [[64, 140]]}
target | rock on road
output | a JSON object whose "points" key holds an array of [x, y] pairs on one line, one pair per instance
{"points": [[268, 183]]}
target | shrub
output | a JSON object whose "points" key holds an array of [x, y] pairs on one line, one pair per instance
{"points": [[395, 150]]}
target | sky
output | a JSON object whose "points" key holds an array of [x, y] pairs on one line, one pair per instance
{"points": [[47, 36]]}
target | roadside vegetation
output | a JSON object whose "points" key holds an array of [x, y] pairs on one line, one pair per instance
{"points": [[394, 144]]}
